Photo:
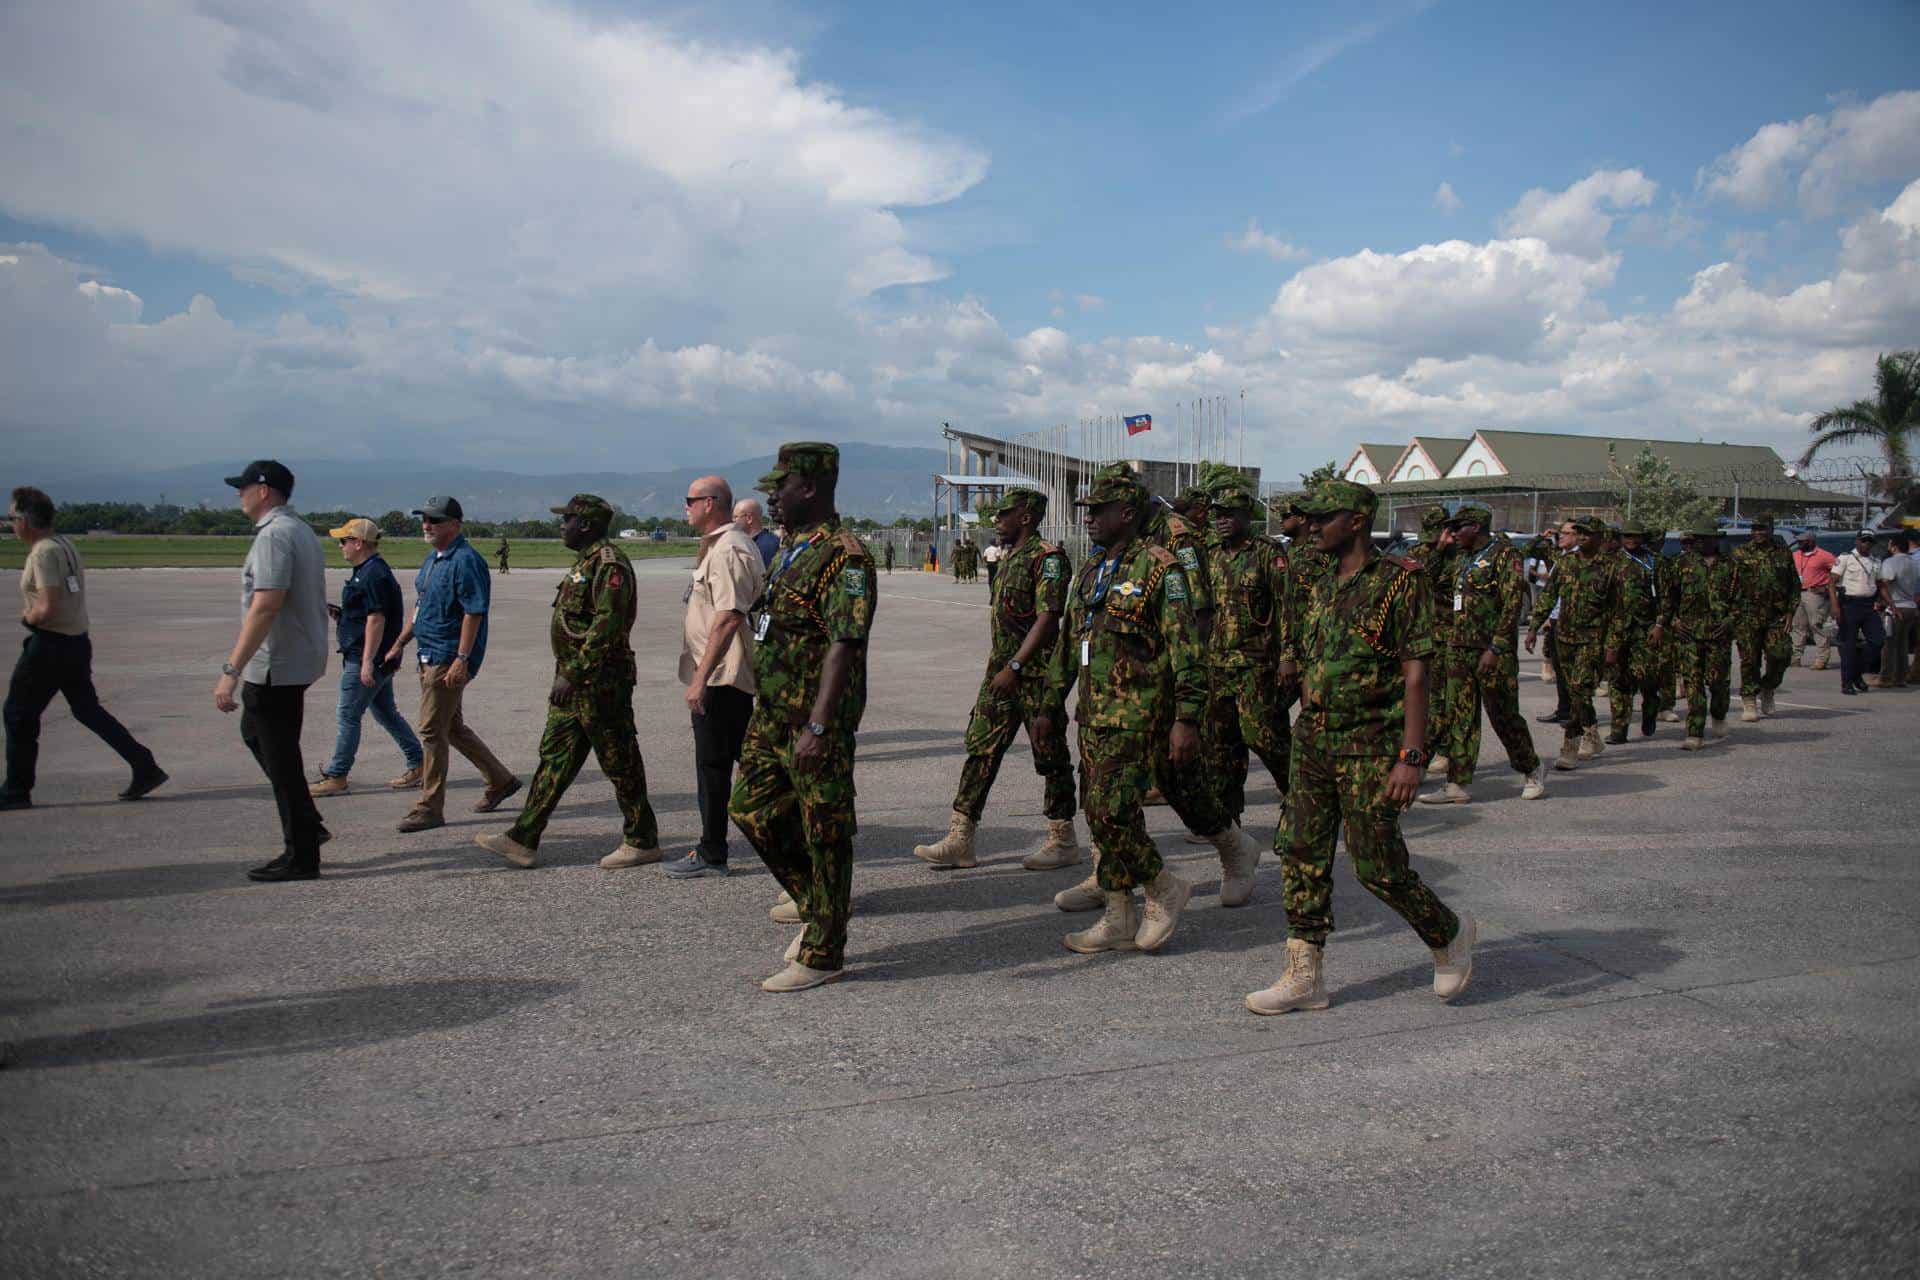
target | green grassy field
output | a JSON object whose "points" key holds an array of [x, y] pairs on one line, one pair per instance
{"points": [[139, 551]]}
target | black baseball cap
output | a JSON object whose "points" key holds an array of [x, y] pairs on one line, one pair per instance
{"points": [[441, 508], [266, 471]]}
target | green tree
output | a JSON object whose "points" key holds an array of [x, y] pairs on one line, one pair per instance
{"points": [[1328, 470], [1649, 490], [1890, 422], [397, 524]]}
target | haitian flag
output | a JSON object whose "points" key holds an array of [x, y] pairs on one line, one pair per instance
{"points": [[1138, 423]]}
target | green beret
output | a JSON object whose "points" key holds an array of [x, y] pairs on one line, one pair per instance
{"points": [[592, 506], [1481, 516], [1334, 496], [1114, 482], [801, 458]]}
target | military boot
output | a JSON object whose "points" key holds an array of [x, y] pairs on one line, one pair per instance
{"points": [[1167, 896], [1717, 727], [509, 848], [1569, 755], [956, 848], [1453, 963], [1617, 732], [1061, 849], [1302, 986], [1238, 858], [1452, 793], [1085, 896], [1749, 710], [784, 909], [1535, 785], [1115, 930], [1671, 716], [1692, 744], [798, 977], [1592, 739], [1437, 767], [1649, 720], [1766, 702]]}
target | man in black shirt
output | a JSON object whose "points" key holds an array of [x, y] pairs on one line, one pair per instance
{"points": [[370, 612]]}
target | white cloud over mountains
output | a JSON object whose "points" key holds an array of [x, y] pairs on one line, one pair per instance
{"points": [[556, 241]]}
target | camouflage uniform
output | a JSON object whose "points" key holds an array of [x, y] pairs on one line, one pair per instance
{"points": [[1132, 617], [1193, 792], [821, 591], [1482, 597], [1437, 566], [1249, 589], [1640, 668], [1032, 579], [1697, 612], [593, 613], [1587, 591], [1766, 592], [1353, 637]]}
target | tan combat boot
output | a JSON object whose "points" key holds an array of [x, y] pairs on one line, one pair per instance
{"points": [[1692, 744], [1590, 744], [1302, 986], [1115, 930], [1717, 728], [1535, 785], [628, 855], [1569, 754], [1239, 857], [1167, 896], [1437, 767], [793, 948], [798, 977], [1086, 895], [1453, 963], [509, 848], [784, 910], [1766, 702], [328, 787], [1749, 710], [1670, 716], [1452, 793], [956, 848], [1062, 848]]}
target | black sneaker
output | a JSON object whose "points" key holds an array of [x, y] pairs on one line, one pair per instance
{"points": [[15, 800], [1649, 721], [1553, 717], [282, 869], [144, 782], [693, 867]]}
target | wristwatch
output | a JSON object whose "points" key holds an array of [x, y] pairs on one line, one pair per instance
{"points": [[228, 669], [1413, 756], [460, 657], [817, 729], [1014, 665]]}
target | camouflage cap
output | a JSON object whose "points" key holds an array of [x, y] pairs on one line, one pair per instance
{"points": [[1431, 520], [1114, 482], [1481, 516], [1234, 495], [801, 458], [1193, 495], [592, 506], [1018, 495], [1705, 529], [1633, 528], [1590, 524], [1215, 474], [1334, 496]]}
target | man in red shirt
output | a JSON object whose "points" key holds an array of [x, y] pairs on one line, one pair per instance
{"points": [[1815, 568]]}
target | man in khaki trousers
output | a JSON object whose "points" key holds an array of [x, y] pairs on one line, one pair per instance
{"points": [[452, 592]]}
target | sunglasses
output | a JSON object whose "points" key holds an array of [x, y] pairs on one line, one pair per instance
{"points": [[702, 497], [434, 519]]}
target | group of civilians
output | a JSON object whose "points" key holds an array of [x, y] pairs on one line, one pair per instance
{"points": [[1871, 602]]}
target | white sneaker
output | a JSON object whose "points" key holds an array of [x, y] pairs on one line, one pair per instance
{"points": [[1452, 793], [1536, 785], [1453, 963]]}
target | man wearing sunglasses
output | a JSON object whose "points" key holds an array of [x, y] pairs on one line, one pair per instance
{"points": [[370, 610]]}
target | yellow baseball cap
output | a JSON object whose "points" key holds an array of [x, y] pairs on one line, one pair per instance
{"points": [[358, 527]]}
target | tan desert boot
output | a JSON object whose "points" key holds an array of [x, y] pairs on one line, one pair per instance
{"points": [[1569, 755], [1717, 728], [1167, 896], [956, 848], [1670, 716], [1302, 986], [784, 910], [1535, 785], [1692, 744], [1766, 702], [507, 847], [328, 787], [798, 977], [1062, 848], [1437, 767], [1239, 857], [1114, 932], [1749, 710], [1086, 895], [628, 856], [1452, 793], [1453, 963], [793, 948]]}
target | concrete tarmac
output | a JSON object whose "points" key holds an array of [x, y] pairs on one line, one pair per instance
{"points": [[1690, 1047]]}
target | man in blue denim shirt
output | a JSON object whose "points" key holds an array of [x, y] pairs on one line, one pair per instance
{"points": [[369, 611], [451, 595]]}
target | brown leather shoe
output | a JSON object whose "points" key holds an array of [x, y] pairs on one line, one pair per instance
{"points": [[420, 820], [491, 800], [328, 787], [408, 781]]}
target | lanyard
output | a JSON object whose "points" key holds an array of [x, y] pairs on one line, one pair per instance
{"points": [[1646, 567], [1460, 579], [786, 561], [1102, 579]]}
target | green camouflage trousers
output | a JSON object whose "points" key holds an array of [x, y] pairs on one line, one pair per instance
{"points": [[802, 825], [1461, 692], [1195, 791], [991, 730], [1766, 650], [1328, 790], [1641, 671], [1706, 666], [1582, 662], [1116, 769], [1244, 714], [601, 720]]}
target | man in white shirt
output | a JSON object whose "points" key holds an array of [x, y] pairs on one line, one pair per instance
{"points": [[1857, 594], [716, 663], [1900, 578]]}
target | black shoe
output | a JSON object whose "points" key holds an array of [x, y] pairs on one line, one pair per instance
{"points": [[284, 868], [144, 782], [1557, 717], [1861, 686], [1849, 690], [15, 800], [324, 836], [1649, 721]]}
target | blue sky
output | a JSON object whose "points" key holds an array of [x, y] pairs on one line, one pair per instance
{"points": [[505, 222]]}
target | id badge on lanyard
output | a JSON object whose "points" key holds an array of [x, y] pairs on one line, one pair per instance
{"points": [[1459, 602], [1086, 652], [761, 625]]}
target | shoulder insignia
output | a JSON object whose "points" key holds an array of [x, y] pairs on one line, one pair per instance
{"points": [[1049, 548], [608, 555], [1280, 561], [1177, 525], [1404, 563], [849, 543], [1163, 557]]}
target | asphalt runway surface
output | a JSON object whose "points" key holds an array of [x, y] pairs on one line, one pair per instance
{"points": [[1690, 1046]]}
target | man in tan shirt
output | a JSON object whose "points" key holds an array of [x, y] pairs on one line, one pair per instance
{"points": [[716, 663], [56, 657]]}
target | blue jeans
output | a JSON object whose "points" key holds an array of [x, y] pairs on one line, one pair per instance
{"points": [[355, 700]]}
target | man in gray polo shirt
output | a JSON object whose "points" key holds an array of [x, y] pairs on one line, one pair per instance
{"points": [[281, 650]]}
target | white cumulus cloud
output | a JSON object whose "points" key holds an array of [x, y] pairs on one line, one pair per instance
{"points": [[1445, 200], [1821, 157], [1573, 220], [1254, 240]]}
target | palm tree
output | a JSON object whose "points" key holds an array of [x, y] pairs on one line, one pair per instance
{"points": [[1891, 420]]}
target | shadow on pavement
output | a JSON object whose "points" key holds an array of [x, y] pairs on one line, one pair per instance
{"points": [[1562, 966], [275, 1026]]}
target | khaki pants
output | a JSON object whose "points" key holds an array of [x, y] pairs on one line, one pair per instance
{"points": [[1809, 625], [441, 726]]}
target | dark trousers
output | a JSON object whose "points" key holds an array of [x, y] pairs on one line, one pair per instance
{"points": [[717, 736], [1859, 622], [1563, 706], [270, 716], [51, 663]]}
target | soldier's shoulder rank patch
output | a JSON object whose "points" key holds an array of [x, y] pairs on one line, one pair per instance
{"points": [[608, 555], [1050, 548], [1402, 562], [853, 581], [1163, 556], [849, 543], [1176, 583], [614, 579]]}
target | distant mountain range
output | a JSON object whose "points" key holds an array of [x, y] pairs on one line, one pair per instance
{"points": [[879, 481]]}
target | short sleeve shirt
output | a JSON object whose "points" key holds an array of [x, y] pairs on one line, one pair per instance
{"points": [[285, 556], [1902, 575], [729, 579], [450, 585], [371, 588], [53, 562], [821, 591], [1856, 576]]}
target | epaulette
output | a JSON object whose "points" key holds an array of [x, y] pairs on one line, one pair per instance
{"points": [[1409, 565], [608, 555], [1177, 525], [849, 543], [1050, 548], [1280, 562], [1163, 557]]}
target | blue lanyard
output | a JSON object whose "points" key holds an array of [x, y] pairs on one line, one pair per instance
{"points": [[1460, 579], [1101, 581], [786, 562]]}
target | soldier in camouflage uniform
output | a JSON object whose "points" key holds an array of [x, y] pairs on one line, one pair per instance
{"points": [[1669, 678], [1583, 600], [1766, 592], [1136, 650], [794, 797], [1637, 667], [1361, 651], [591, 701], [1433, 555], [1250, 591], [1028, 595], [1697, 604], [1479, 662]]}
